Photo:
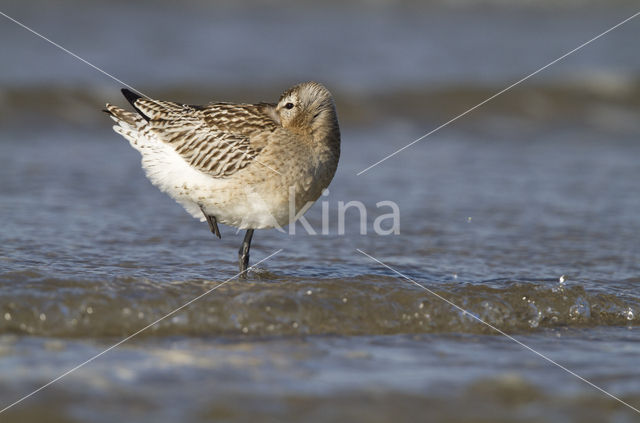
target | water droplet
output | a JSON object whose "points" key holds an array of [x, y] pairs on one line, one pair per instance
{"points": [[267, 308], [469, 219], [126, 311], [534, 321], [628, 313], [421, 306], [344, 300], [580, 310], [295, 325], [309, 292], [455, 276], [7, 316], [179, 319], [43, 317], [245, 329], [89, 310], [140, 315], [562, 279]]}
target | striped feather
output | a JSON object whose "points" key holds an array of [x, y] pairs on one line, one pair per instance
{"points": [[218, 139]]}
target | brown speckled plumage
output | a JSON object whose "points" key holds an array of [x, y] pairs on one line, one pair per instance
{"points": [[218, 139], [251, 166]]}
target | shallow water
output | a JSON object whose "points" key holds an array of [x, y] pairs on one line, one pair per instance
{"points": [[495, 211], [91, 253]]}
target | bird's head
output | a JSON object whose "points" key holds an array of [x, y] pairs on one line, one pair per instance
{"points": [[307, 108]]}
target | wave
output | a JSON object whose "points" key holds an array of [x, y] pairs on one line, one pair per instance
{"points": [[37, 304], [597, 98]]}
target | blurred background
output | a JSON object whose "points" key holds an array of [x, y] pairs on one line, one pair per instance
{"points": [[540, 183]]}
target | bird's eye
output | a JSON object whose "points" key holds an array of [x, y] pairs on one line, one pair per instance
{"points": [[288, 106]]}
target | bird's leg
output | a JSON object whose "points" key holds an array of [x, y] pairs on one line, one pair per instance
{"points": [[213, 223], [243, 254]]}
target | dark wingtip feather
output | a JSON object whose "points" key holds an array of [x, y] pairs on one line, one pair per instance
{"points": [[130, 95], [131, 98]]}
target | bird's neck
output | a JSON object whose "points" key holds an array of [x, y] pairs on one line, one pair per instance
{"points": [[325, 130]]}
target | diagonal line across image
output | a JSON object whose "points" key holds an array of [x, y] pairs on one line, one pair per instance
{"points": [[504, 90], [522, 344], [360, 251], [86, 62], [133, 335]]}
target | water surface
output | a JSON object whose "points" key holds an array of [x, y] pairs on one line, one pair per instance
{"points": [[495, 211]]}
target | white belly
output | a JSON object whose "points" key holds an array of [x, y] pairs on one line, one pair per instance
{"points": [[234, 201]]}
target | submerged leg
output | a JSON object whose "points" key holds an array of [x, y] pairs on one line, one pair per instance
{"points": [[243, 253], [213, 223]]}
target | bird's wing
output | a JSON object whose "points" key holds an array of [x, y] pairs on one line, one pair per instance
{"points": [[218, 139]]}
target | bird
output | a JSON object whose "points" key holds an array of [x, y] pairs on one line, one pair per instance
{"points": [[249, 166]]}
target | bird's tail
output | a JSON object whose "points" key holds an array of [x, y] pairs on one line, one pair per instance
{"points": [[128, 124]]}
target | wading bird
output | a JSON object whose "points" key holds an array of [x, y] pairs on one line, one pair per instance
{"points": [[250, 166]]}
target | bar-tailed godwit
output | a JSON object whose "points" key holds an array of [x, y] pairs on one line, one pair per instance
{"points": [[250, 166]]}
